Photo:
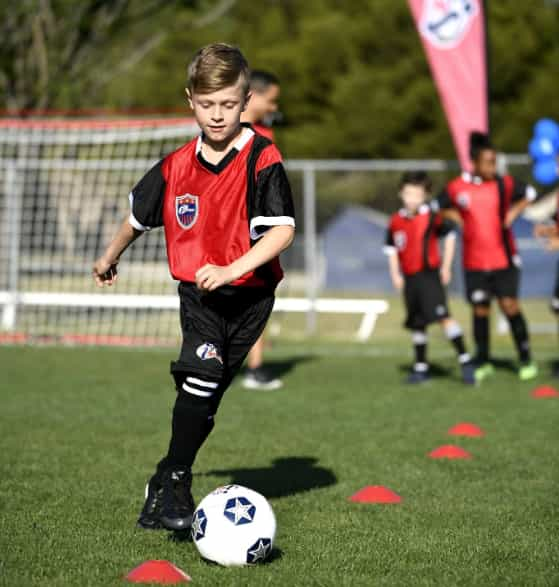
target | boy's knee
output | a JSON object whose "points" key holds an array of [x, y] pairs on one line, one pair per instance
{"points": [[481, 310], [509, 306]]}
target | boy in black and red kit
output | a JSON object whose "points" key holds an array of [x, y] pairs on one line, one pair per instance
{"points": [[225, 204], [486, 205], [416, 267]]}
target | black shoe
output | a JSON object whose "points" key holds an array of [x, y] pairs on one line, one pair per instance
{"points": [[468, 373], [150, 516], [416, 377], [178, 506]]}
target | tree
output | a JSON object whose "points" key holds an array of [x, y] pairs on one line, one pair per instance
{"points": [[52, 49]]}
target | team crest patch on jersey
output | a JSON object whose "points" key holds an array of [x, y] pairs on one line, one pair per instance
{"points": [[463, 200], [186, 209], [445, 23], [400, 240], [208, 351]]}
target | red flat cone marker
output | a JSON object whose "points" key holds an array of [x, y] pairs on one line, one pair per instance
{"points": [[375, 494], [545, 391], [449, 451], [466, 429], [157, 571]]}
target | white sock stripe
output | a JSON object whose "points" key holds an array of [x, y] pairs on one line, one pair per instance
{"points": [[465, 358], [202, 383], [197, 392], [421, 367], [453, 331], [419, 337]]}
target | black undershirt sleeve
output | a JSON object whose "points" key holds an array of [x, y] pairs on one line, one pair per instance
{"points": [[273, 201], [443, 201], [522, 190], [389, 240], [146, 199], [446, 227]]}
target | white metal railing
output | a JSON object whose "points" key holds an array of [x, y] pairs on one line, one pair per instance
{"points": [[13, 297]]}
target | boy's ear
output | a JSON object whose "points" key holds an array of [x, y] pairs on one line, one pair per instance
{"points": [[247, 100], [189, 98]]}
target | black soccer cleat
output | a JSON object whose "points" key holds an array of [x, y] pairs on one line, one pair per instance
{"points": [[417, 377], [177, 503], [468, 373], [150, 516]]}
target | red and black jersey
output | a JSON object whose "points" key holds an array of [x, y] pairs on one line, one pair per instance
{"points": [[415, 238], [215, 213], [483, 205], [265, 131]]}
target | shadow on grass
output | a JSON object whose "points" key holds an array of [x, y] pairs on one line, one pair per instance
{"points": [[435, 371], [505, 364], [281, 367], [286, 476]]}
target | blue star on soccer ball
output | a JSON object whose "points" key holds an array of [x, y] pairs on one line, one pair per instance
{"points": [[239, 510], [259, 551], [199, 524]]}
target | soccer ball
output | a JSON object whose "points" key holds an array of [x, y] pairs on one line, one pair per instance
{"points": [[234, 525]]}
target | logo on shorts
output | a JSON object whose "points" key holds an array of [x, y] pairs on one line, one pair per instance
{"points": [[463, 199], [440, 310], [478, 295], [186, 209], [445, 23], [400, 240], [208, 351]]}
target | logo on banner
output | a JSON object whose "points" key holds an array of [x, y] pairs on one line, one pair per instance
{"points": [[445, 23], [186, 209]]}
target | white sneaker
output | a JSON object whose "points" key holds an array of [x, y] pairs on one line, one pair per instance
{"points": [[259, 379]]}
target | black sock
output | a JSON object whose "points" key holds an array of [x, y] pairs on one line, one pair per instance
{"points": [[191, 425], [460, 347], [481, 336], [419, 339], [519, 332]]}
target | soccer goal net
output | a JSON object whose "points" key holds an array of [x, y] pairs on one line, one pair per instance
{"points": [[64, 187]]}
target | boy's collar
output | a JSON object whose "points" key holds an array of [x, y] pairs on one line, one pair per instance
{"points": [[423, 209], [468, 177], [246, 134]]}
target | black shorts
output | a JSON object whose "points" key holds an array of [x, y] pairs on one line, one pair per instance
{"points": [[218, 330], [425, 299], [481, 286]]}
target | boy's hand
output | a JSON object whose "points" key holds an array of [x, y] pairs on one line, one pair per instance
{"points": [[398, 281], [446, 275], [510, 217], [552, 244], [104, 272], [545, 230], [210, 277]]}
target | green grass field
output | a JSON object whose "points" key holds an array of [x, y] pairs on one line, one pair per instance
{"points": [[82, 428]]}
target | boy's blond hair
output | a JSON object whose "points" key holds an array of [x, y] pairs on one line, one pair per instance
{"points": [[215, 67]]}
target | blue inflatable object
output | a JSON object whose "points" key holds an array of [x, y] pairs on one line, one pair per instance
{"points": [[545, 171], [546, 128], [541, 148]]}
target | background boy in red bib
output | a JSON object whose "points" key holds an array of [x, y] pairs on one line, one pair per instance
{"points": [[225, 204], [486, 205], [412, 246]]}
